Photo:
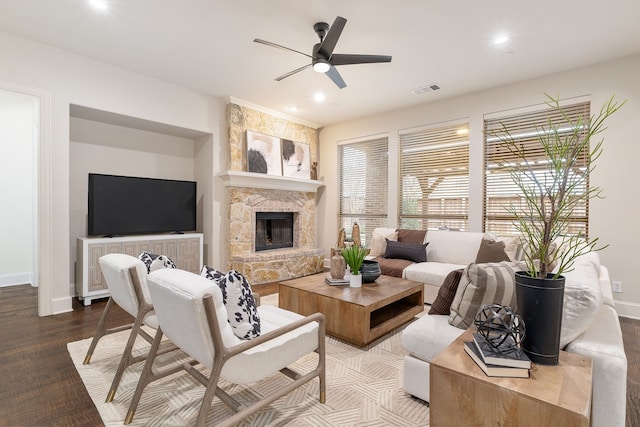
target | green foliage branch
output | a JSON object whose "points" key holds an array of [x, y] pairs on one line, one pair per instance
{"points": [[549, 199]]}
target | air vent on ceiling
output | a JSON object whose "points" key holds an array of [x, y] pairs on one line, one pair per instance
{"points": [[427, 88]]}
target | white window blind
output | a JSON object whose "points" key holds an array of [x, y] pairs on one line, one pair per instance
{"points": [[363, 168], [434, 177], [499, 190]]}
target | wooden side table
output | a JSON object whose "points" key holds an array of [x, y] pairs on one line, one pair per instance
{"points": [[461, 394]]}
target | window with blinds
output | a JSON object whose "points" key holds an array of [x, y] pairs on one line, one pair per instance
{"points": [[434, 177], [500, 192], [363, 169]]}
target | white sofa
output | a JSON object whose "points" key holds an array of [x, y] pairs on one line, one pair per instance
{"points": [[446, 251], [590, 328]]}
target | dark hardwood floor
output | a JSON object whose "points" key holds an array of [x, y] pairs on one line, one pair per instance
{"points": [[40, 386]]}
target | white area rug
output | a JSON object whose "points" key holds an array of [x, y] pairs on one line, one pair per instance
{"points": [[364, 388]]}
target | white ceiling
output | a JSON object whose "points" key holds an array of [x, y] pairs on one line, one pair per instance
{"points": [[207, 45]]}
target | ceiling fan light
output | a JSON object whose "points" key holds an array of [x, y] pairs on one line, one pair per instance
{"points": [[321, 66]]}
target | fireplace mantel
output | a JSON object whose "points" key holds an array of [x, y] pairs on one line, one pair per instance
{"points": [[269, 182]]}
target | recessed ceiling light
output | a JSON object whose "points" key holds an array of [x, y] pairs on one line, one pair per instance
{"points": [[319, 97], [502, 38], [99, 4], [292, 108]]}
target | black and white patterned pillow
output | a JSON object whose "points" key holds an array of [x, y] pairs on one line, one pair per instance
{"points": [[211, 273], [155, 262], [237, 296]]}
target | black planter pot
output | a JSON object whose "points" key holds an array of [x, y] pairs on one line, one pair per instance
{"points": [[539, 303]]}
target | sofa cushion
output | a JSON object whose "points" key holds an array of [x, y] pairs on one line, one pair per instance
{"points": [[491, 283], [392, 267], [428, 336], [411, 236], [491, 251], [379, 242], [446, 293], [432, 273], [415, 252], [454, 247], [582, 298]]}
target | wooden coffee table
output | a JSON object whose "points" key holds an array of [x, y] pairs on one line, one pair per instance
{"points": [[356, 315]]}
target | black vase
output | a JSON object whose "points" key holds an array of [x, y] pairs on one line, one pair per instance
{"points": [[370, 271], [539, 303]]}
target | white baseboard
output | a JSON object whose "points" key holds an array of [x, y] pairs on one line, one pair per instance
{"points": [[628, 309], [16, 279], [61, 305]]}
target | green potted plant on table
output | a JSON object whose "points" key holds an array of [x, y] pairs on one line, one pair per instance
{"points": [[354, 257], [552, 187]]}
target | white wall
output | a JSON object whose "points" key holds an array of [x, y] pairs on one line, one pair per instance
{"points": [[97, 147], [18, 127], [613, 219], [73, 79]]}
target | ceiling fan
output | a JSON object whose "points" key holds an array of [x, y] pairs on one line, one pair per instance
{"points": [[323, 60]]}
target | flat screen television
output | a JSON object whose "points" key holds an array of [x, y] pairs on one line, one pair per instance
{"points": [[120, 205]]}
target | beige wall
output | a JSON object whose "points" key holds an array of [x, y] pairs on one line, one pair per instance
{"points": [[73, 79], [612, 219]]}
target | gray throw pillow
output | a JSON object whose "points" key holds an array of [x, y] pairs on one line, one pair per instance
{"points": [[416, 252]]}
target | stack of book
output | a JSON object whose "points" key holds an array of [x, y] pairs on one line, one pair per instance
{"points": [[504, 361], [331, 281]]}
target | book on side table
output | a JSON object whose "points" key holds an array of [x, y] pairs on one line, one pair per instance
{"points": [[508, 354], [493, 370]]}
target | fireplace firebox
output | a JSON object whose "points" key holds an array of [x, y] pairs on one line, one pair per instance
{"points": [[274, 230]]}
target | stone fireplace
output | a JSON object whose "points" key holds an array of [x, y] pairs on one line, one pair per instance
{"points": [[272, 230], [251, 196]]}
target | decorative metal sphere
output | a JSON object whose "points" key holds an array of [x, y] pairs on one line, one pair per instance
{"points": [[497, 323]]}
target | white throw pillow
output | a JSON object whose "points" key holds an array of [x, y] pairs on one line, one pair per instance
{"points": [[379, 242], [582, 297]]}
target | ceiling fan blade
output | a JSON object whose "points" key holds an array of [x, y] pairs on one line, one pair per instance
{"points": [[290, 73], [347, 59], [281, 47], [330, 40], [335, 76]]}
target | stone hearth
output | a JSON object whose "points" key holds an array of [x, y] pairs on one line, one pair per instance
{"points": [[277, 264]]}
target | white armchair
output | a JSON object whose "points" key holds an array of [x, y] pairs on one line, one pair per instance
{"points": [[192, 315], [125, 276]]}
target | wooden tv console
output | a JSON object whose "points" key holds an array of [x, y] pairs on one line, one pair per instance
{"points": [[184, 249]]}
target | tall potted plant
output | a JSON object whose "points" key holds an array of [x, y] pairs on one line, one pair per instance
{"points": [[551, 190]]}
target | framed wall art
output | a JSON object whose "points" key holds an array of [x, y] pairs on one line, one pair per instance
{"points": [[263, 154], [296, 159]]}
